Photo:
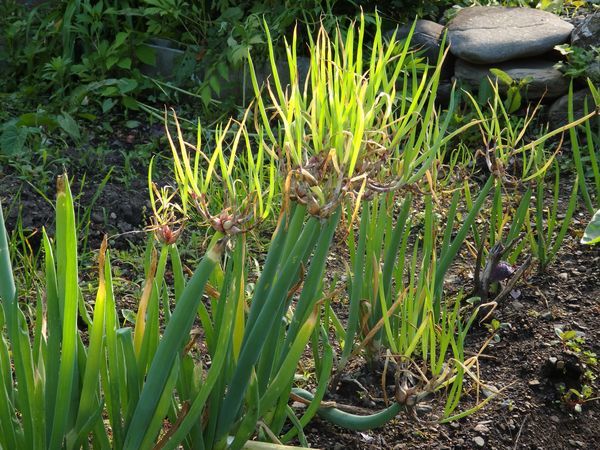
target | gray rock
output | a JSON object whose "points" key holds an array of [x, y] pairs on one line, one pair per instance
{"points": [[427, 37], [546, 81], [444, 93], [557, 117], [587, 33], [489, 34], [518, 305], [547, 315]]}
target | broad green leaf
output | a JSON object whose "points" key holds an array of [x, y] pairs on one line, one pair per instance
{"points": [[502, 76], [130, 103], [108, 104], [124, 63], [128, 315], [120, 39], [69, 126], [111, 61], [13, 138], [37, 119], [592, 231], [127, 85], [146, 54]]}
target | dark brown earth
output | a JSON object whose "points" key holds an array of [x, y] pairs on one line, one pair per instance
{"points": [[521, 362], [118, 208]]}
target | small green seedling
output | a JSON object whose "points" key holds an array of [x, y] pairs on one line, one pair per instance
{"points": [[514, 98]]}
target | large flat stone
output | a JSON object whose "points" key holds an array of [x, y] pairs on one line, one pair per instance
{"points": [[490, 34], [426, 37], [547, 81]]}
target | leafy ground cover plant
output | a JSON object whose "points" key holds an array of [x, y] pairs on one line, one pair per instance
{"points": [[576, 375], [81, 52]]}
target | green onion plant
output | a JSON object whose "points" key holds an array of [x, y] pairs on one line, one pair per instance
{"points": [[589, 152], [549, 229], [210, 361]]}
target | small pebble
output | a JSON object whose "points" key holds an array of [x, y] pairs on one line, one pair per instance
{"points": [[479, 441], [489, 391], [564, 276], [366, 437], [124, 227], [555, 419], [481, 428], [517, 306]]}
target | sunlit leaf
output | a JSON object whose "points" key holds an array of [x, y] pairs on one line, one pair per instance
{"points": [[592, 231]]}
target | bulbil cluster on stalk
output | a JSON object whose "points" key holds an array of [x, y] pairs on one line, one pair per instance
{"points": [[322, 182], [168, 220], [228, 221]]}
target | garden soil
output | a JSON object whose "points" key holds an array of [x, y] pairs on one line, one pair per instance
{"points": [[520, 363], [525, 363]]}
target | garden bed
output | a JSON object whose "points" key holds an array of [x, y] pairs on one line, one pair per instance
{"points": [[343, 251], [529, 412]]}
